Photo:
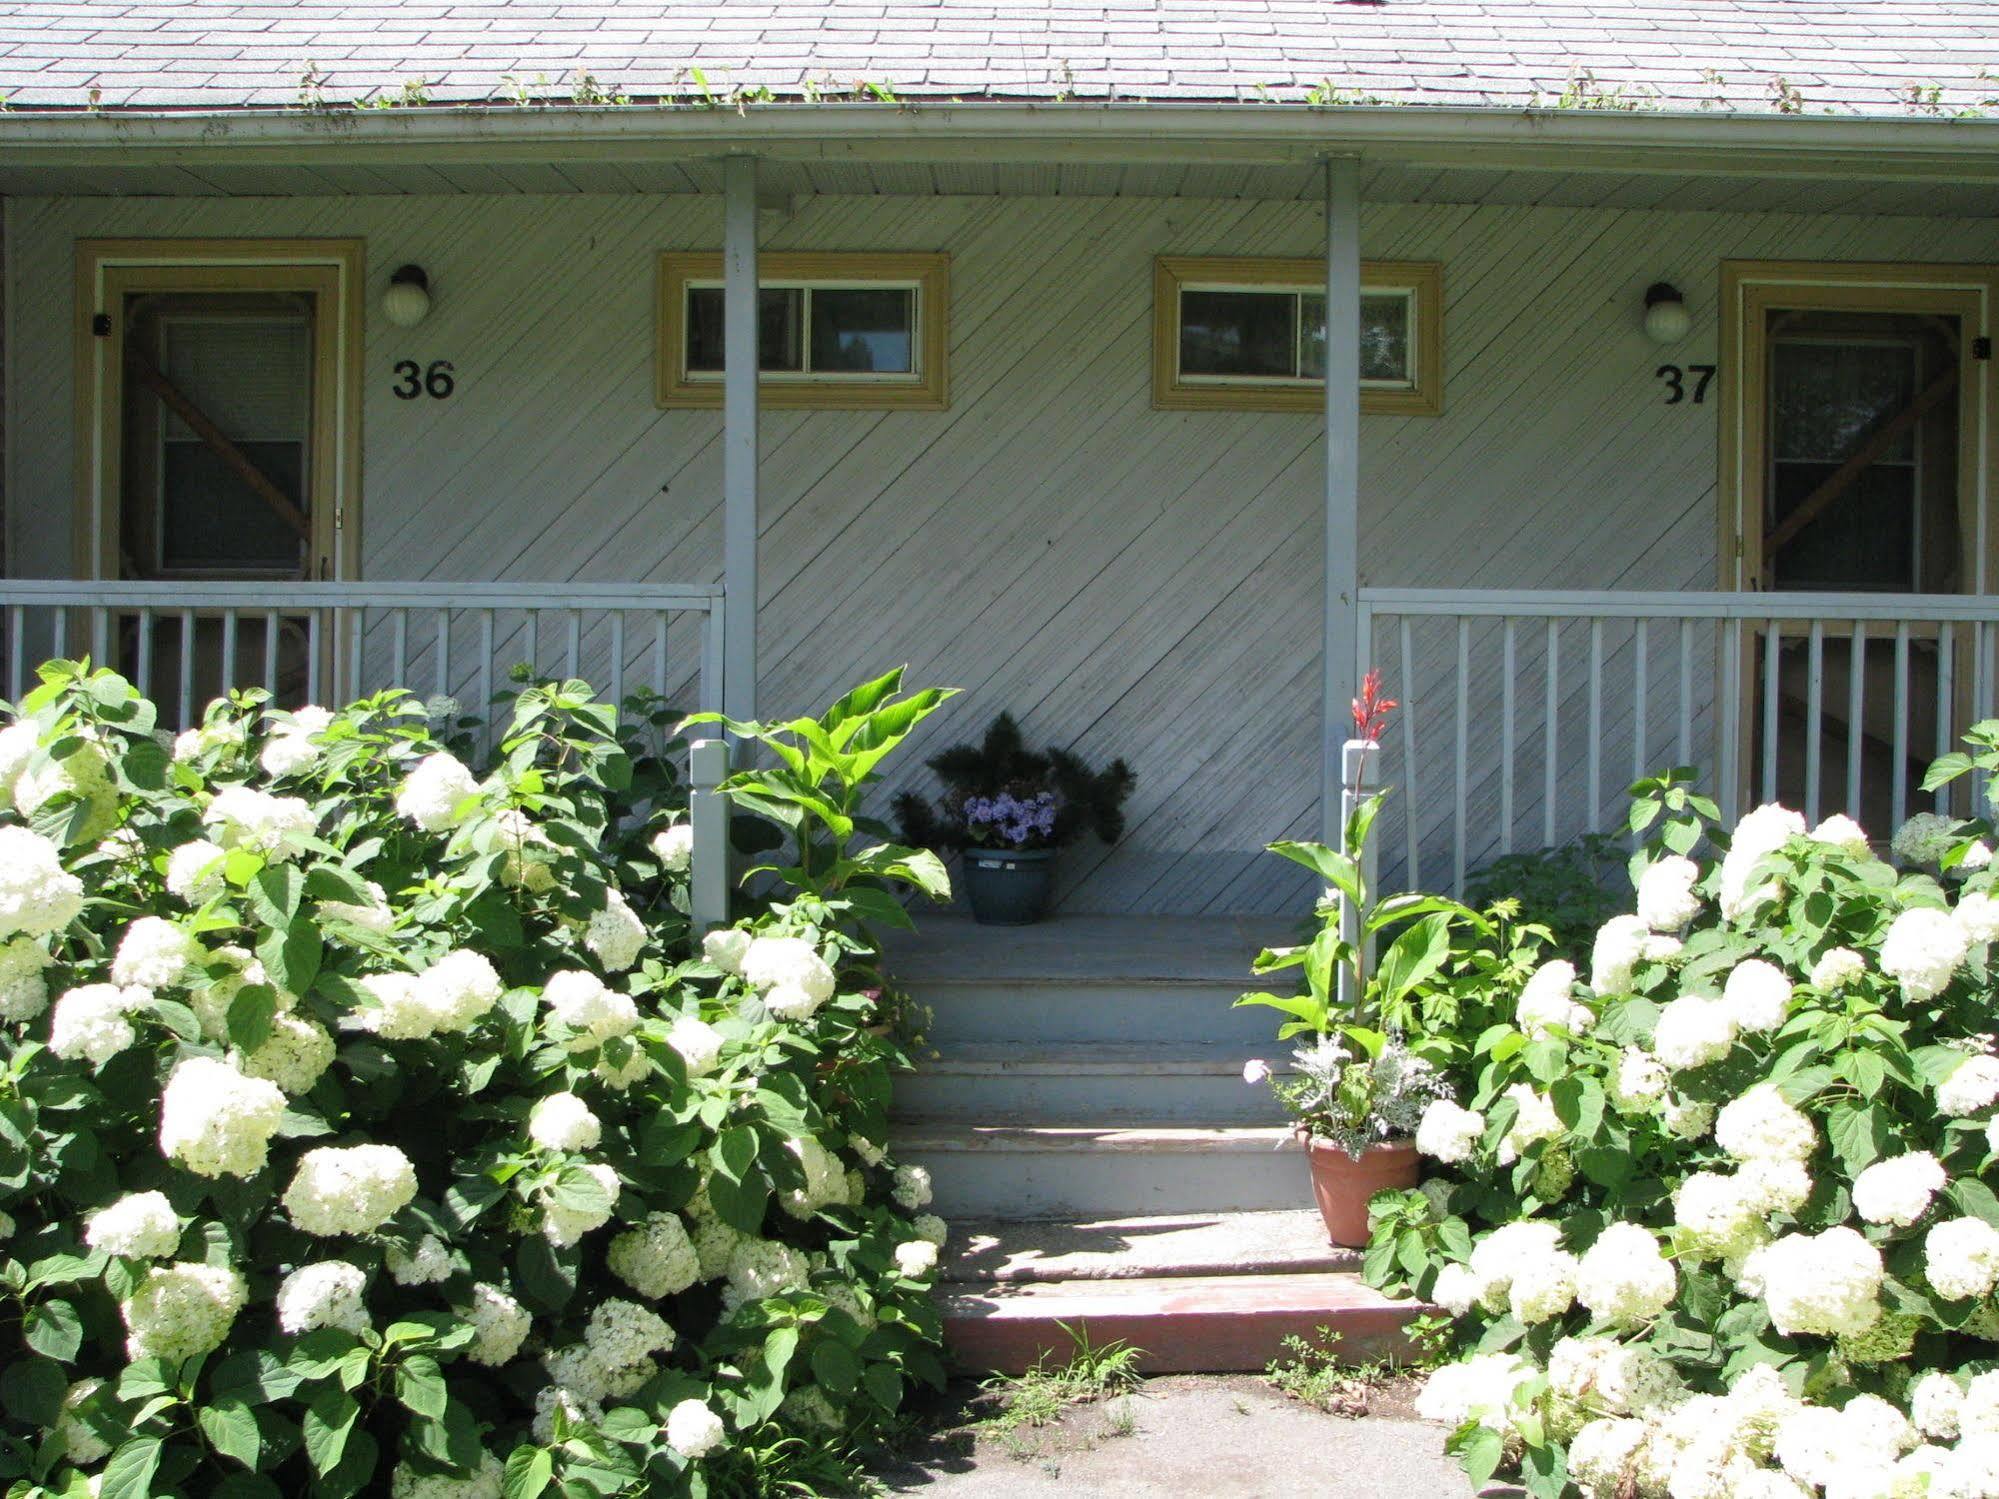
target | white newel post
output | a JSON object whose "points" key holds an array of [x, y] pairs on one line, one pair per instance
{"points": [[739, 437], [1342, 639], [708, 815], [1360, 763]]}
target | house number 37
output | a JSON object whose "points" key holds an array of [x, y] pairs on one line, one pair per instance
{"points": [[433, 380], [1676, 379]]}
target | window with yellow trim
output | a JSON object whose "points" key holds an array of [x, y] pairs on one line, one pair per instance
{"points": [[834, 331], [1241, 334]]}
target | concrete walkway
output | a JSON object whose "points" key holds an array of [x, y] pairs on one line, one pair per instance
{"points": [[1190, 1437]]}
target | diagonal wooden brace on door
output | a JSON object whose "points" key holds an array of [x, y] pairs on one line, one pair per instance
{"points": [[1878, 442], [217, 441]]}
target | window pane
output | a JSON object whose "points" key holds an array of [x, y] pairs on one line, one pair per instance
{"points": [[1826, 397], [863, 331], [1238, 333], [211, 519], [1384, 337], [778, 317]]}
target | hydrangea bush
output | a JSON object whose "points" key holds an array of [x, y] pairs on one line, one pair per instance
{"points": [[1716, 1217], [369, 1123]]}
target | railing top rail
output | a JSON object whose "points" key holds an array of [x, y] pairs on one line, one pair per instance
{"points": [[1622, 604], [428, 593]]}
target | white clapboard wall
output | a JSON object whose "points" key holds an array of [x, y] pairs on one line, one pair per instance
{"points": [[1128, 581]]}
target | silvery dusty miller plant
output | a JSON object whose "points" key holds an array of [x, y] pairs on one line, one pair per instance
{"points": [[371, 1125]]}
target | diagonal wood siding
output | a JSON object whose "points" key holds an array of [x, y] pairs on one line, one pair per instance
{"points": [[1135, 582]]}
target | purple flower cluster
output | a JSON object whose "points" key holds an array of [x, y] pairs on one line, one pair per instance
{"points": [[1009, 821]]}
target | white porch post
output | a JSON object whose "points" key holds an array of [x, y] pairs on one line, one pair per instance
{"points": [[739, 437], [1342, 643]]}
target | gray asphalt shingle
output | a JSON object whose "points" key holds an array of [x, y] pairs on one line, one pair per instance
{"points": [[1843, 56]]}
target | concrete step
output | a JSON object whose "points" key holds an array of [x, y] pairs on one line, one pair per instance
{"points": [[972, 1009], [1288, 1242], [1187, 1323], [1086, 1082], [1087, 1172]]}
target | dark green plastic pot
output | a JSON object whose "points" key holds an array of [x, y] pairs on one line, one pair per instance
{"points": [[1008, 887]]}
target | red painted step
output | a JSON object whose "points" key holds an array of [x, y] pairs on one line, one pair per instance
{"points": [[1185, 1323]]}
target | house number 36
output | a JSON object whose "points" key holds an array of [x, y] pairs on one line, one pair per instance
{"points": [[434, 380]]}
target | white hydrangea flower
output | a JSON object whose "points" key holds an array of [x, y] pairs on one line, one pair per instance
{"points": [[563, 1226], [562, 1121], [1923, 949], [1762, 1125], [1621, 944], [699, 1044], [1604, 1453], [1691, 1032], [794, 978], [181, 1310], [1448, 1133], [500, 1325], [674, 847], [1821, 1446], [1923, 839], [214, 1121], [18, 743], [657, 1258], [1776, 1184], [1756, 995], [726, 947], [1480, 1389], [1623, 1278], [1759, 834], [352, 1189], [90, 1021], [458, 989], [87, 773], [1827, 1283], [1935, 1401], [1977, 916], [276, 827], [399, 1013], [81, 1445], [1534, 1121], [374, 917], [911, 1186], [915, 1258], [615, 934], [1836, 968], [555, 1397], [930, 1226], [1688, 1118], [763, 1267], [427, 1264], [1546, 1002], [1457, 1290], [154, 954], [825, 1179], [582, 1002], [295, 1055], [1720, 1217], [1666, 899], [1961, 1258], [693, 1430], [192, 744], [1971, 1087], [1639, 1082], [287, 754], [1497, 1258], [434, 794], [326, 1294], [194, 871], [618, 1076], [1978, 1411], [138, 1226], [37, 896], [1898, 1190], [1542, 1287], [1844, 834], [24, 993], [488, 1483]]}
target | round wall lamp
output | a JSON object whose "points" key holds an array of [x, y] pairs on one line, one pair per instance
{"points": [[407, 301], [1666, 320]]}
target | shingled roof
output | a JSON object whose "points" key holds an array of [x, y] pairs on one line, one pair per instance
{"points": [[1845, 57]]}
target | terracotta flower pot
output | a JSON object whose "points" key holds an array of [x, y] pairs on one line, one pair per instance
{"points": [[1343, 1185]]}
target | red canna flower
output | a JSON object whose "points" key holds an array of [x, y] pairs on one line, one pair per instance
{"points": [[1371, 709]]}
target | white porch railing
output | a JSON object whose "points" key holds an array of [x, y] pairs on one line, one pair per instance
{"points": [[183, 644], [1525, 715]]}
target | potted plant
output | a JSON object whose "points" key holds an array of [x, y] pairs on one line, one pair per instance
{"points": [[1008, 809], [1365, 1069]]}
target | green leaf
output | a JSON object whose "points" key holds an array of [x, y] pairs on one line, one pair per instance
{"points": [[884, 1384], [328, 1422], [1859, 1134], [578, 1191], [1975, 1198], [54, 1328], [291, 956], [231, 1429], [32, 1390], [420, 1386], [835, 1366], [251, 1011], [129, 1473], [529, 1470], [738, 1193]]}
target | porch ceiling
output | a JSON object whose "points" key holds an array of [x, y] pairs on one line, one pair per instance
{"points": [[1385, 182], [1559, 158]]}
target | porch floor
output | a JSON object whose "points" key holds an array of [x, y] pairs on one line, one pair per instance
{"points": [[1087, 949]]}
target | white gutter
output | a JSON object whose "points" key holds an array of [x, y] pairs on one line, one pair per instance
{"points": [[1233, 134]]}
